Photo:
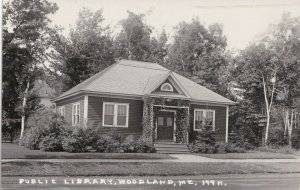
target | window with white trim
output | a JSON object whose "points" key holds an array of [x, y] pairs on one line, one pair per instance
{"points": [[115, 114], [167, 87], [75, 113], [204, 117], [61, 111]]}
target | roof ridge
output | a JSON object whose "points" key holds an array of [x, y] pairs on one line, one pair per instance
{"points": [[138, 61], [162, 69], [141, 64]]}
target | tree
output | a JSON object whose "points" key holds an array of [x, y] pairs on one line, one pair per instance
{"points": [[259, 67], [26, 34], [284, 38], [199, 53], [268, 72], [158, 48], [133, 42], [87, 51]]}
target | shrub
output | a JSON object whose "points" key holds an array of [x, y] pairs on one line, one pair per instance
{"points": [[48, 132], [102, 142], [295, 139], [219, 147], [51, 143], [114, 147], [276, 137], [114, 135], [40, 125], [207, 135], [201, 147], [72, 144], [240, 142], [129, 144], [80, 139], [143, 146]]}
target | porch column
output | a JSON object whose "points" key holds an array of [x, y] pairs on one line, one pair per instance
{"points": [[227, 118], [188, 124], [148, 120], [85, 109]]}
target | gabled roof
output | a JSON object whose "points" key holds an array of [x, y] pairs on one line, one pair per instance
{"points": [[135, 78]]}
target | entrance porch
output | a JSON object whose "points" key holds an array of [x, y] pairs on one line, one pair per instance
{"points": [[166, 121]]}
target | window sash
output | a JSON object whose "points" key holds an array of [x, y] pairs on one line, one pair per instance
{"points": [[201, 116], [61, 111], [75, 114], [116, 116]]}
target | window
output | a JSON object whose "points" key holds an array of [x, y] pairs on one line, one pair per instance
{"points": [[61, 111], [160, 121], [75, 113], [115, 114], [169, 122], [166, 87], [203, 117]]}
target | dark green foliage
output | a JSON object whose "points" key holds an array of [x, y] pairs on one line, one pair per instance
{"points": [[207, 136], [51, 143], [45, 130], [26, 37], [106, 143], [48, 132], [143, 146], [240, 141], [206, 143], [201, 147], [217, 148], [133, 42], [244, 123], [198, 53], [296, 138], [78, 141], [102, 143], [86, 52], [182, 125], [277, 138]]}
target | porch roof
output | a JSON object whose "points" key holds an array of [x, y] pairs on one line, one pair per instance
{"points": [[137, 78]]}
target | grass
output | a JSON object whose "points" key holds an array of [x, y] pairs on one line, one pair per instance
{"points": [[250, 155], [285, 150], [13, 151], [142, 169]]}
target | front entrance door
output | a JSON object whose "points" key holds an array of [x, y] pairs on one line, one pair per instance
{"points": [[165, 125]]}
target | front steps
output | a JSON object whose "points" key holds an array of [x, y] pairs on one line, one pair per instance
{"points": [[170, 147]]}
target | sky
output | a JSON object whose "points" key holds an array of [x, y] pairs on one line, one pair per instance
{"points": [[242, 20]]}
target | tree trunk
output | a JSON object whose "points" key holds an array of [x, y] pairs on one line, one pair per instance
{"points": [[23, 112], [290, 128], [267, 111], [268, 106], [285, 120]]}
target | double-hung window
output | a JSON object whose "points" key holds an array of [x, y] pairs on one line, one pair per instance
{"points": [[61, 111], [204, 117], [75, 113], [115, 114]]}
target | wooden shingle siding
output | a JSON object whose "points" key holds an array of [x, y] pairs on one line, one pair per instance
{"points": [[135, 122], [220, 120], [68, 108]]}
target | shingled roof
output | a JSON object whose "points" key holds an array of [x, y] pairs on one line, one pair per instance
{"points": [[135, 78]]}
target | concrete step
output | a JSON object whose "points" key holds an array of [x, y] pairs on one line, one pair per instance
{"points": [[170, 147]]}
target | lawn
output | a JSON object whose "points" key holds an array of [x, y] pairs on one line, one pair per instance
{"points": [[13, 151], [250, 155], [31, 168]]}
